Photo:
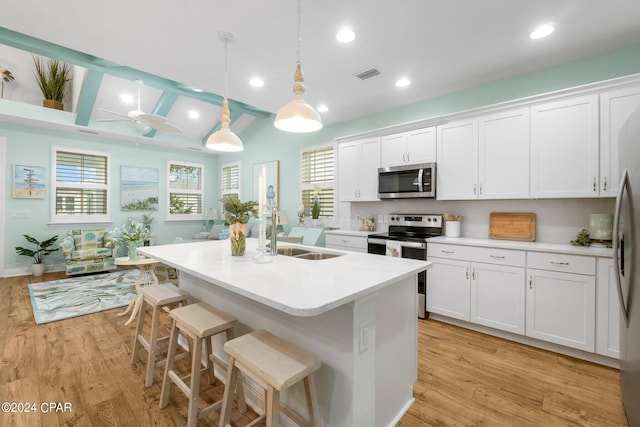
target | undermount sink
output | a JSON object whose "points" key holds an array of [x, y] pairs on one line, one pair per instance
{"points": [[305, 253]]}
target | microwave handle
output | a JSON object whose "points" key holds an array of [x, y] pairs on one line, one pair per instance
{"points": [[420, 171]]}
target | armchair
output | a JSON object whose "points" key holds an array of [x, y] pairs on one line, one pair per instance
{"points": [[88, 251]]}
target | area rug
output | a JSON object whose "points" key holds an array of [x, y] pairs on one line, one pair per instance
{"points": [[77, 296]]}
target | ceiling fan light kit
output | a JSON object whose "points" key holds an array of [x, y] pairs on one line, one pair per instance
{"points": [[298, 116], [223, 139]]}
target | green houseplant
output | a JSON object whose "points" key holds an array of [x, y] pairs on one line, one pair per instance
{"points": [[133, 234], [236, 215], [42, 249], [52, 77]]}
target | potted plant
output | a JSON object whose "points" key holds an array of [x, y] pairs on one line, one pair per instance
{"points": [[41, 251], [236, 215], [133, 234], [52, 77]]}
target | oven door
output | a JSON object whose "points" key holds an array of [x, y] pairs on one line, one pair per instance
{"points": [[410, 250]]}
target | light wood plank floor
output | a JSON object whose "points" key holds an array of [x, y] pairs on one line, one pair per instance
{"points": [[465, 378]]}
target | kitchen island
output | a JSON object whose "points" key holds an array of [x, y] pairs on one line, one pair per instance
{"points": [[356, 312]]}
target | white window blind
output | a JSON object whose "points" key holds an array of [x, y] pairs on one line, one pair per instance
{"points": [[81, 185], [317, 170], [186, 190]]}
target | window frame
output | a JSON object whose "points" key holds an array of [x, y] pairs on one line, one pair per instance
{"points": [[326, 184], [56, 218], [224, 191], [198, 216]]}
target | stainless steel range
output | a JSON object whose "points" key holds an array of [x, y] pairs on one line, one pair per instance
{"points": [[412, 231]]}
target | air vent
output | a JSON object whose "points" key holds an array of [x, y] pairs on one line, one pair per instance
{"points": [[92, 132], [367, 74]]}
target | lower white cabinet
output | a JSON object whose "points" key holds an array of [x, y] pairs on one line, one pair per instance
{"points": [[448, 288], [497, 296], [561, 308], [347, 242], [607, 310]]}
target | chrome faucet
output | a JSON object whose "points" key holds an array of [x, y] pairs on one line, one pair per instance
{"points": [[274, 227]]}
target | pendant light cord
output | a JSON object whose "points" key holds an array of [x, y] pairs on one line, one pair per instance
{"points": [[226, 83], [299, 50]]}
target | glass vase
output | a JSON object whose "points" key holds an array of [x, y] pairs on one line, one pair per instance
{"points": [[132, 246], [237, 236]]}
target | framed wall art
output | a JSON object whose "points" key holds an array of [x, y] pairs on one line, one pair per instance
{"points": [[138, 188], [29, 182]]}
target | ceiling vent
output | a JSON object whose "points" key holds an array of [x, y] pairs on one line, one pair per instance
{"points": [[367, 74]]}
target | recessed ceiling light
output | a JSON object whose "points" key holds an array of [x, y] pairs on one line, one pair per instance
{"points": [[542, 31], [256, 82], [126, 98], [345, 35], [402, 82], [195, 89], [193, 114], [323, 108]]}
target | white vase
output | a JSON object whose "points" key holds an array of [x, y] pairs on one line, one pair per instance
{"points": [[37, 269]]}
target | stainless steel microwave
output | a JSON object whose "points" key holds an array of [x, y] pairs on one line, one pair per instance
{"points": [[409, 181]]}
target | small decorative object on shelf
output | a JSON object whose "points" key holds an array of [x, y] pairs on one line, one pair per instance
{"points": [[236, 215], [5, 76], [301, 215], [53, 77], [133, 234]]}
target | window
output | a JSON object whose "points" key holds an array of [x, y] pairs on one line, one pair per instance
{"points": [[186, 190], [229, 182], [317, 176], [81, 186]]}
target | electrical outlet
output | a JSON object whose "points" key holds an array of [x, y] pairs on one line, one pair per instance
{"points": [[380, 219], [357, 218], [386, 219]]}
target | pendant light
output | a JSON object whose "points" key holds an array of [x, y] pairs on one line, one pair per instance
{"points": [[224, 139], [298, 116]]}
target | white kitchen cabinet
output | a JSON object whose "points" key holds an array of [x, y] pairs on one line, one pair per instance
{"points": [[448, 288], [560, 304], [564, 148], [358, 163], [503, 155], [457, 166], [615, 108], [607, 310], [346, 241], [485, 157], [415, 146]]}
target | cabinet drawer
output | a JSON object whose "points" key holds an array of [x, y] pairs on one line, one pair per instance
{"points": [[440, 250], [561, 262], [499, 256], [345, 241]]}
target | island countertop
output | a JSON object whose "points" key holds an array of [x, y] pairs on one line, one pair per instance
{"points": [[298, 287]]}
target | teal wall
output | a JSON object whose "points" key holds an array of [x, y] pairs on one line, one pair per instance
{"points": [[263, 142], [29, 146]]}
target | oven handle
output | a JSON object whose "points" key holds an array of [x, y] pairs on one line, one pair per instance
{"points": [[403, 244]]}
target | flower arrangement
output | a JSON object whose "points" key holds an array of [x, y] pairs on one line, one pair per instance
{"points": [[315, 207], [132, 231]]}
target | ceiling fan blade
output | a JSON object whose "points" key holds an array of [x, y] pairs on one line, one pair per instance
{"points": [[166, 127], [115, 112], [152, 119]]}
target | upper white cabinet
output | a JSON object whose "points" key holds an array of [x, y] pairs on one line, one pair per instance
{"points": [[615, 108], [415, 146], [358, 163], [485, 157], [564, 148]]}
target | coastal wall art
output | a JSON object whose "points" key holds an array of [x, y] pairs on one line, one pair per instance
{"points": [[138, 188], [28, 182]]}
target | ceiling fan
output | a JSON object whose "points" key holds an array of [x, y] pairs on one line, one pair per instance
{"points": [[147, 120]]}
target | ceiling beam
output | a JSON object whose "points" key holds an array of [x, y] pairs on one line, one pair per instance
{"points": [[51, 50], [88, 96]]}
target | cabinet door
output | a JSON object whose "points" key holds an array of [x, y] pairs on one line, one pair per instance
{"points": [[369, 162], [348, 171], [421, 146], [497, 296], [615, 108], [564, 148], [561, 308], [448, 291], [457, 168], [607, 310], [503, 152], [393, 149]]}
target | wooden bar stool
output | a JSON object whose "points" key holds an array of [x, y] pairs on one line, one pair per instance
{"points": [[275, 364], [199, 322], [159, 298]]}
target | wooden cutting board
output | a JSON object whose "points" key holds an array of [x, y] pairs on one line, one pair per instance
{"points": [[512, 226]]}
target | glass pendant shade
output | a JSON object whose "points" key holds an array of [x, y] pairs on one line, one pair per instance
{"points": [[298, 116], [224, 139]]}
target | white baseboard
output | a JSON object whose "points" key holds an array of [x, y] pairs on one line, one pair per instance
{"points": [[26, 271]]}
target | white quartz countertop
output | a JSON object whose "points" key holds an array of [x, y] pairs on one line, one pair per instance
{"points": [[299, 287], [526, 246]]}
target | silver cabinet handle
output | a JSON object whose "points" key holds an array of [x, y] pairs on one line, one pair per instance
{"points": [[595, 187], [530, 282], [447, 252], [467, 273], [480, 188], [473, 274], [404, 157], [604, 185], [474, 190], [496, 257], [558, 263], [616, 243], [408, 157]]}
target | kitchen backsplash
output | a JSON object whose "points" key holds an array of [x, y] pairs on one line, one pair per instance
{"points": [[557, 220]]}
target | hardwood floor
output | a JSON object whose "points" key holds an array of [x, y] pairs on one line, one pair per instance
{"points": [[465, 378]]}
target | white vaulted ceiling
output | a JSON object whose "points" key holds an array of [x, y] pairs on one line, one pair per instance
{"points": [[441, 46]]}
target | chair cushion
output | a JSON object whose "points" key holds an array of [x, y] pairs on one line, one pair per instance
{"points": [[93, 253], [88, 239]]}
